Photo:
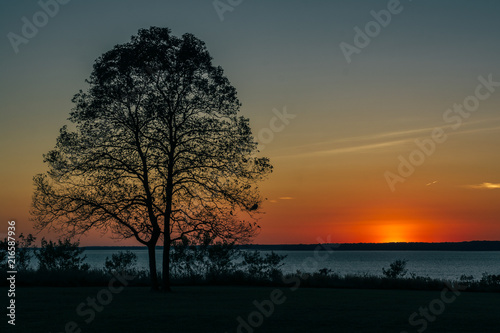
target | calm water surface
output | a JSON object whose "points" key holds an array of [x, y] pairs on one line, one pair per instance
{"points": [[434, 264]]}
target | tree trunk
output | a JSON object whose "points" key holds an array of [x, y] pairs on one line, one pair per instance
{"points": [[166, 265], [167, 240], [152, 267]]}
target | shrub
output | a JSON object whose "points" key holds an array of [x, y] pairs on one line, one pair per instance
{"points": [[203, 261], [63, 255], [490, 280], [266, 267], [23, 245], [186, 261], [397, 269], [466, 280], [123, 261], [3, 255], [219, 259]]}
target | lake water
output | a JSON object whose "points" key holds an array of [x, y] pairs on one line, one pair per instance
{"points": [[434, 264]]}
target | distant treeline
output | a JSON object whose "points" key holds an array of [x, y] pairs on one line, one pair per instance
{"points": [[415, 246]]}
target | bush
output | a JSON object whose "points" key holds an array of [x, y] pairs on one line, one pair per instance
{"points": [[222, 262], [266, 267], [466, 280], [204, 261], [325, 271], [62, 256], [123, 261], [490, 280], [23, 245], [397, 269], [186, 261], [219, 259]]}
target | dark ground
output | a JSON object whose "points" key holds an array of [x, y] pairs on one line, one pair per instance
{"points": [[216, 309]]}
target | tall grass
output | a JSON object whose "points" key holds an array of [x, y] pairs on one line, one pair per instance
{"points": [[101, 277]]}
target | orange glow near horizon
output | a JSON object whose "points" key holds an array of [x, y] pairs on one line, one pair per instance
{"points": [[391, 233], [299, 215], [328, 232]]}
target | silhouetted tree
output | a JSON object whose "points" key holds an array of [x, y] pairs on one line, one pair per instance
{"points": [[158, 150]]}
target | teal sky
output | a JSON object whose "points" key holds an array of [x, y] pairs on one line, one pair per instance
{"points": [[284, 54]]}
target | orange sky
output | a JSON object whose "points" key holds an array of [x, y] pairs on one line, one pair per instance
{"points": [[345, 195], [350, 121]]}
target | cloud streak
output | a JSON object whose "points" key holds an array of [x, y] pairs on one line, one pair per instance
{"points": [[484, 186], [387, 139]]}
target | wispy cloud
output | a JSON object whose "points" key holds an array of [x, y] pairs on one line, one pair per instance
{"points": [[388, 139], [359, 148], [484, 186], [431, 183], [383, 135], [281, 198]]}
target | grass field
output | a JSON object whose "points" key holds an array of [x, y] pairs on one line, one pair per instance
{"points": [[216, 309]]}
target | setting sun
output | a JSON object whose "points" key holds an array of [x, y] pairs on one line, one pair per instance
{"points": [[391, 233]]}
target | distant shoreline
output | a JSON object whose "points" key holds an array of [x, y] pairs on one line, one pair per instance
{"points": [[413, 246]]}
